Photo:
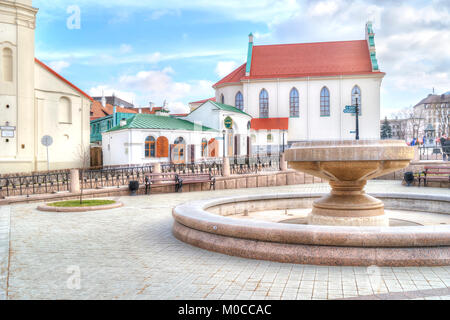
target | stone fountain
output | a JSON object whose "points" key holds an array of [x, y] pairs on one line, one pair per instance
{"points": [[345, 227], [348, 165]]}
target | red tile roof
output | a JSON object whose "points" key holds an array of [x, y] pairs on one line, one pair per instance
{"points": [[98, 111], [270, 123], [62, 78], [305, 59], [204, 100], [233, 77]]}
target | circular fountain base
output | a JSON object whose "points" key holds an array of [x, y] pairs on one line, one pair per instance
{"points": [[209, 224]]}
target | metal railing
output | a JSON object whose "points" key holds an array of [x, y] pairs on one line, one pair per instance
{"points": [[113, 177], [253, 165], [213, 167], [430, 153], [21, 185], [117, 176]]}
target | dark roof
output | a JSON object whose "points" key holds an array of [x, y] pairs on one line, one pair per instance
{"points": [[435, 98]]}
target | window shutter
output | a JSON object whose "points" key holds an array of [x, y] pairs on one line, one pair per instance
{"points": [[162, 147]]}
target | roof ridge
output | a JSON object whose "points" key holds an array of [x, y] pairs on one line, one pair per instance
{"points": [[305, 43]]}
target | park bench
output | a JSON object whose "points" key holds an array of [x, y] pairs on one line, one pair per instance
{"points": [[189, 178], [160, 180], [435, 173]]}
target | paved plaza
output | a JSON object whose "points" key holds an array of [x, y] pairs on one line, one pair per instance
{"points": [[130, 253]]}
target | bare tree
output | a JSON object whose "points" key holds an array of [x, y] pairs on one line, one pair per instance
{"points": [[84, 156], [440, 114], [412, 122]]}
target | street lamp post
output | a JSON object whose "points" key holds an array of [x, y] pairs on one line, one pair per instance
{"points": [[223, 133], [357, 119]]}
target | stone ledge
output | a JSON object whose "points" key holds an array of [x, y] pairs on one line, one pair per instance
{"points": [[315, 255], [194, 215]]}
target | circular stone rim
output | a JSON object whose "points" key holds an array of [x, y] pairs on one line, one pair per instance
{"points": [[194, 216], [350, 150]]}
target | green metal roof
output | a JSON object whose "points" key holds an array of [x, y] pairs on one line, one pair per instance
{"points": [[151, 121], [227, 107]]}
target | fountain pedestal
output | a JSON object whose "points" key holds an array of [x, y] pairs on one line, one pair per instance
{"points": [[347, 204], [348, 165]]}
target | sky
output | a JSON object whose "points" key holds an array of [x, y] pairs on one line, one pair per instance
{"points": [[175, 50]]}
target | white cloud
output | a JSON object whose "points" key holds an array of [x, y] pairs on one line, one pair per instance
{"points": [[324, 8], [412, 40], [249, 10], [223, 68], [125, 48], [109, 91], [157, 86], [58, 66]]}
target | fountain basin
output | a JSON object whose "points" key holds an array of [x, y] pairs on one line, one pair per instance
{"points": [[348, 165], [206, 224]]}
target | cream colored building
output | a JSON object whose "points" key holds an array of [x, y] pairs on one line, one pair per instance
{"points": [[36, 101]]}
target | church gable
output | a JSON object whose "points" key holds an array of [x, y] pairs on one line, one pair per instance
{"points": [[47, 79]]}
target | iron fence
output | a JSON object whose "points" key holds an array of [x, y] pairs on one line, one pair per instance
{"points": [[253, 165], [430, 153], [117, 176], [21, 185], [113, 177], [213, 167]]}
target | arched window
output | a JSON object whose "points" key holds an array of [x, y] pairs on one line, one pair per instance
{"points": [[64, 110], [204, 147], [269, 138], [179, 140], [263, 104], [7, 64], [178, 150], [222, 99], [356, 94], [162, 147], [253, 138], [324, 102], [150, 147], [239, 101], [294, 104]]}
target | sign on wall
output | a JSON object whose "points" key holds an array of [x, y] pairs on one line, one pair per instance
{"points": [[8, 131], [228, 122]]}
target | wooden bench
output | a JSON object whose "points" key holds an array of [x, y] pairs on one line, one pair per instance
{"points": [[160, 180], [189, 178], [435, 173]]}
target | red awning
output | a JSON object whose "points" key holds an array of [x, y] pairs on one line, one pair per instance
{"points": [[270, 124]]}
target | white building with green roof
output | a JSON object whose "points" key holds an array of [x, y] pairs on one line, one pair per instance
{"points": [[230, 122], [148, 138]]}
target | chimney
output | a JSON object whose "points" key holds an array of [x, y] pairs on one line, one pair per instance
{"points": [[103, 99], [140, 110]]}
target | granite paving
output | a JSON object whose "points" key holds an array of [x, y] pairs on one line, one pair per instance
{"points": [[130, 253]]}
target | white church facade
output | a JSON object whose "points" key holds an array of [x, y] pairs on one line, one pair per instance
{"points": [[305, 88], [36, 101]]}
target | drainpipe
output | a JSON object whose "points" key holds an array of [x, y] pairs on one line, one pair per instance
{"points": [[115, 116]]}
